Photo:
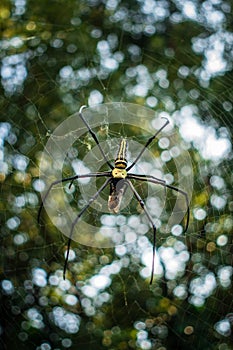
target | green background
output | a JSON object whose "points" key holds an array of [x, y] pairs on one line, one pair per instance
{"points": [[172, 56]]}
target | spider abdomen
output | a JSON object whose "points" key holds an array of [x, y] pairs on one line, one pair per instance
{"points": [[117, 190]]}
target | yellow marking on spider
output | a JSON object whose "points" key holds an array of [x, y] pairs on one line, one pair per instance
{"points": [[119, 173], [120, 161]]}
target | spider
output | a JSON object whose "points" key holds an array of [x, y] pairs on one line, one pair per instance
{"points": [[118, 179]]}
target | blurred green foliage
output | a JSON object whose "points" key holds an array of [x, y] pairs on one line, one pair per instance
{"points": [[167, 55]]}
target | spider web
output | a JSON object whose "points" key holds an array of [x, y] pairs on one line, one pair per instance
{"points": [[60, 144], [106, 300]]}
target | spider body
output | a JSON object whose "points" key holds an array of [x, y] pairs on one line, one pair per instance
{"points": [[118, 179], [120, 161], [118, 185], [117, 190]]}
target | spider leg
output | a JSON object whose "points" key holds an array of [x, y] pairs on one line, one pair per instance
{"points": [[104, 173], [141, 177], [157, 181], [142, 204], [77, 219], [148, 143], [71, 178], [94, 137]]}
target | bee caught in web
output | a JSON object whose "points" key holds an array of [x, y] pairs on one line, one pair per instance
{"points": [[118, 179]]}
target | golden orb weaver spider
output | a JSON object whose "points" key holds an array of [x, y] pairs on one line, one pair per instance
{"points": [[118, 179]]}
